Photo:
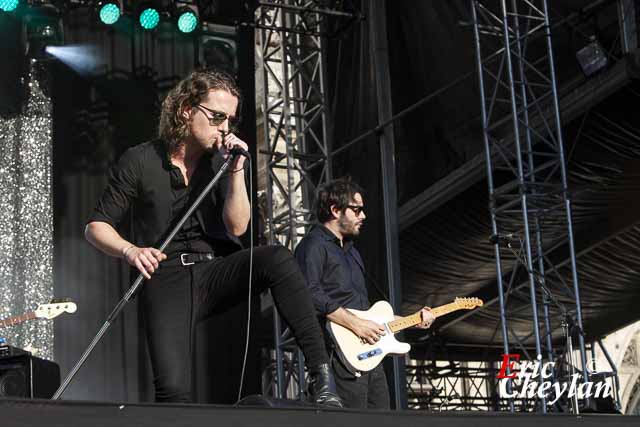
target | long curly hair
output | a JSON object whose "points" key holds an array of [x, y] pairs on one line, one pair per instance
{"points": [[191, 91]]}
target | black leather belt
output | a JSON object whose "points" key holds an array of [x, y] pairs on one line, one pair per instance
{"points": [[190, 259]]}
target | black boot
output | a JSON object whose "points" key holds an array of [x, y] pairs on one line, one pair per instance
{"points": [[321, 388]]}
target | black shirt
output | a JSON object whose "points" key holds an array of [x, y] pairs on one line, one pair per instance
{"points": [[335, 274], [145, 180]]}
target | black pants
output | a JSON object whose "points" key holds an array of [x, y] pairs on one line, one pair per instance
{"points": [[177, 297], [368, 391]]}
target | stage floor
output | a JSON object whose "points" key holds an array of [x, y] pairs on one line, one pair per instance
{"points": [[39, 413]]}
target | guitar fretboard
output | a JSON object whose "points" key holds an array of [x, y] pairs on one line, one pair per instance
{"points": [[14, 320], [416, 318]]}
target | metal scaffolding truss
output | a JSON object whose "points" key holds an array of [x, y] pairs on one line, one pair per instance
{"points": [[448, 385], [530, 203], [296, 119], [457, 386], [296, 128]]}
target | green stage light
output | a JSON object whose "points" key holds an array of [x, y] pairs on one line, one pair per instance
{"points": [[109, 12], [187, 21], [9, 5], [149, 18]]}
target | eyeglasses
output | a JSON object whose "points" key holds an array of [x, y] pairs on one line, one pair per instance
{"points": [[356, 209], [217, 117]]}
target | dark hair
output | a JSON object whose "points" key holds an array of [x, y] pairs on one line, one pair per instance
{"points": [[189, 92], [338, 193]]}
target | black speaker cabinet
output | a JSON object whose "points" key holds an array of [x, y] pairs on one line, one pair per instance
{"points": [[28, 376]]}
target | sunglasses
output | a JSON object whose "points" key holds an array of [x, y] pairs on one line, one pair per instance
{"points": [[356, 208], [216, 118]]}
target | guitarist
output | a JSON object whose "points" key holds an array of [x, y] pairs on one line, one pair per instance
{"points": [[335, 275]]}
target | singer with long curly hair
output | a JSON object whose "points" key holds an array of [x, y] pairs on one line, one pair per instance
{"points": [[205, 266]]}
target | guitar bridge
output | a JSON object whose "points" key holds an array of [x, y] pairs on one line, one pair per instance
{"points": [[369, 354]]}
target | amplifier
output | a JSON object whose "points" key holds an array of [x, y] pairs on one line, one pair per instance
{"points": [[7, 351], [27, 376]]}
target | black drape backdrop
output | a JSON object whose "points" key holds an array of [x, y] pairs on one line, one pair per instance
{"points": [[426, 53], [354, 105]]}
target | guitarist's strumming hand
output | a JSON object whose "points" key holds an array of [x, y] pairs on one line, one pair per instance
{"points": [[367, 330], [427, 318]]}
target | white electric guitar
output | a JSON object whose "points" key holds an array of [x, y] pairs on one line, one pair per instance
{"points": [[44, 311], [361, 357]]}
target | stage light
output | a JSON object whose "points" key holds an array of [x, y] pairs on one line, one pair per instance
{"points": [[149, 18], [43, 28], [109, 11], [187, 16], [187, 19], [9, 5], [592, 58]]}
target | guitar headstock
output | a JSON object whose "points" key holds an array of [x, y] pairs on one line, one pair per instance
{"points": [[54, 309], [468, 303]]}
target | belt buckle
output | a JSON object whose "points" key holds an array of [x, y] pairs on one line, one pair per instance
{"points": [[182, 260]]}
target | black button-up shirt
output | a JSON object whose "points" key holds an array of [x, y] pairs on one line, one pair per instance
{"points": [[334, 273], [145, 180]]}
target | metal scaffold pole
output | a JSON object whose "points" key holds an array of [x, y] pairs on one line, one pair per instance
{"points": [[526, 169], [297, 139]]}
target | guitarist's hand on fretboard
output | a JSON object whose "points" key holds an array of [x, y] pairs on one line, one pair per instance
{"points": [[427, 318]]}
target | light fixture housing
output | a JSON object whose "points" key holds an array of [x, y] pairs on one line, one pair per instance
{"points": [[41, 28], [109, 11], [187, 21], [148, 15], [9, 5], [592, 58], [187, 16]]}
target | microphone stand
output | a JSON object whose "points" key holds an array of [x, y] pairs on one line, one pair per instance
{"points": [[138, 282]]}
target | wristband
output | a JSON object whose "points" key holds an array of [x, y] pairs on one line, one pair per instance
{"points": [[125, 250]]}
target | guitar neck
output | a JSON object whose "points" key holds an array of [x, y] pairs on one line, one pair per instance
{"points": [[14, 320], [416, 318]]}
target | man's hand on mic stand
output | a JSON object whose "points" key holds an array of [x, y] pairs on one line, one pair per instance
{"points": [[231, 141], [146, 260], [236, 212]]}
